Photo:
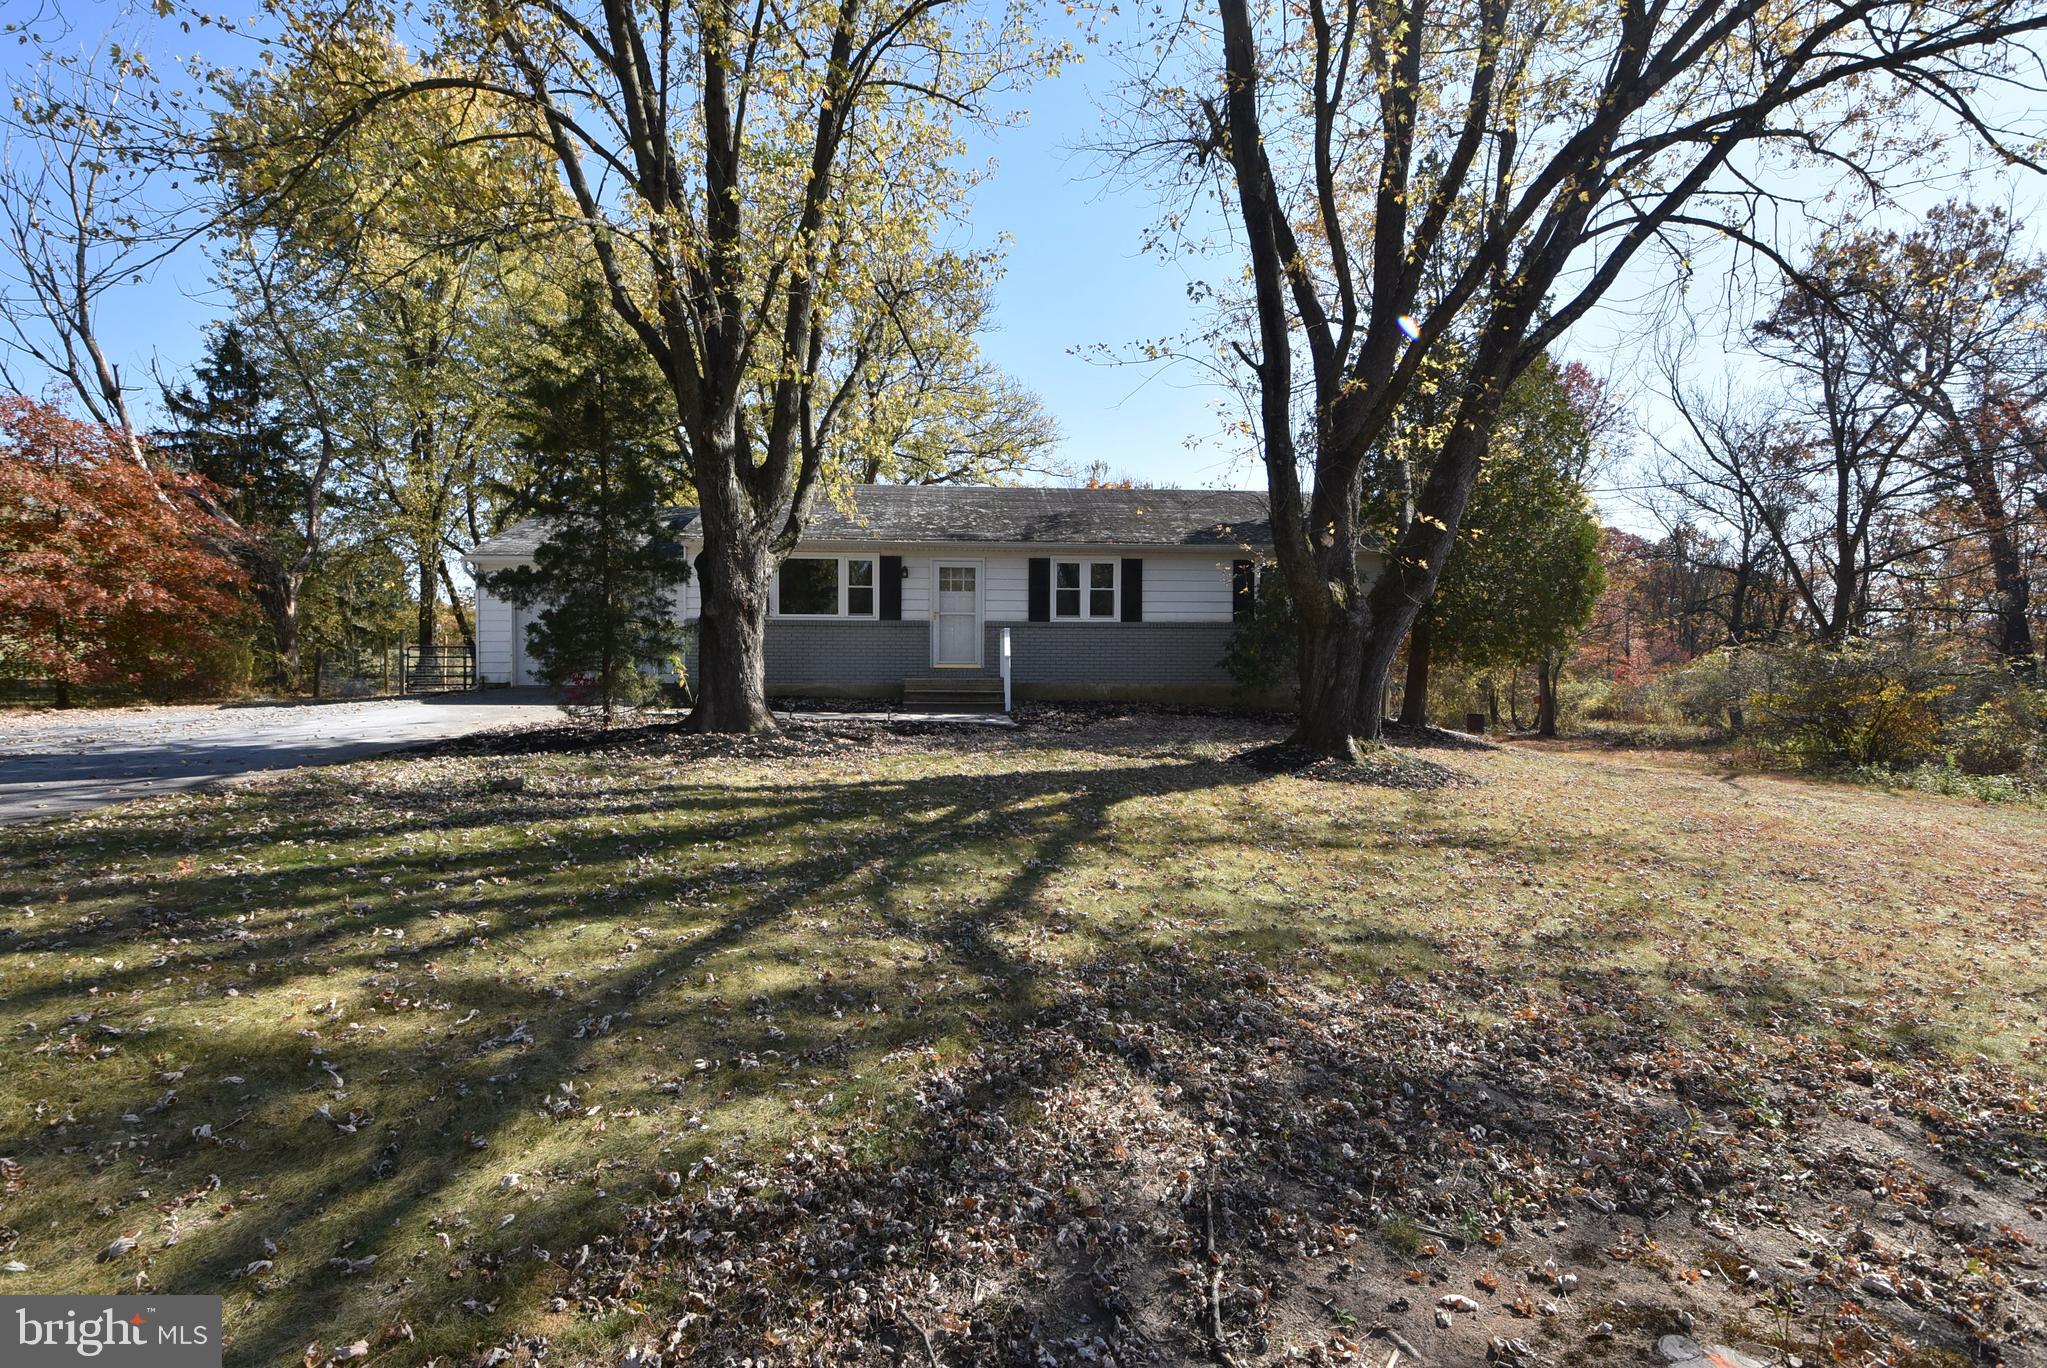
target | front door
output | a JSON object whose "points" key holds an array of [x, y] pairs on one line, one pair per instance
{"points": [[956, 614]]}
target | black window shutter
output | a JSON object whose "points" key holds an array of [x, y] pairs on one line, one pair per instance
{"points": [[892, 588], [1041, 589], [1243, 590], [1133, 589]]}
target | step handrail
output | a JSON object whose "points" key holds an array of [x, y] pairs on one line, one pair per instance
{"points": [[1005, 653]]}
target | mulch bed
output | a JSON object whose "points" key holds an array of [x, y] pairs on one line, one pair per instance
{"points": [[1386, 766], [1080, 716], [1378, 767], [672, 736], [1436, 738]]}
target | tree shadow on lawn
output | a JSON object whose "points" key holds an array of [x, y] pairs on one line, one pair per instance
{"points": [[591, 988], [359, 1055], [499, 841]]}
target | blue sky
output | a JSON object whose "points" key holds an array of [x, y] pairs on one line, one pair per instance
{"points": [[1076, 280], [1075, 277]]}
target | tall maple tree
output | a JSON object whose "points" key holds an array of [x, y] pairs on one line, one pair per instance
{"points": [[371, 283]]}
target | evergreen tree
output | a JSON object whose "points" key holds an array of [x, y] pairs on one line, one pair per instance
{"points": [[598, 428], [232, 428]]}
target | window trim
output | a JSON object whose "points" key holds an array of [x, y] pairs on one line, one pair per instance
{"points": [[844, 563], [873, 587], [1088, 589]]}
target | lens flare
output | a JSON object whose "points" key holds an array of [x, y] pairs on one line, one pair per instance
{"points": [[1410, 326]]}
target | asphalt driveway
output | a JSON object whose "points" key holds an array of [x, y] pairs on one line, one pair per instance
{"points": [[52, 763]]}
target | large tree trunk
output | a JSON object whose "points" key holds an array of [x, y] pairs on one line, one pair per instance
{"points": [[1333, 669], [284, 624], [732, 581], [1737, 603], [61, 683], [1381, 648], [276, 588], [455, 607], [1390, 625], [1414, 564], [2007, 569], [1414, 700], [2014, 602], [1546, 693], [429, 597]]}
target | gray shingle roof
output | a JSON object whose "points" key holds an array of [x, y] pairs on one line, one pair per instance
{"points": [[949, 514]]}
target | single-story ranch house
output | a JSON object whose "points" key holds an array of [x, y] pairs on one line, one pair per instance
{"points": [[1106, 593]]}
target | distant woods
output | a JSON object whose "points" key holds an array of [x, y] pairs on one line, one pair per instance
{"points": [[1884, 472], [1854, 528]]}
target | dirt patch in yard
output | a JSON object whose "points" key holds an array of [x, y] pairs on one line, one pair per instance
{"points": [[1183, 1160]]}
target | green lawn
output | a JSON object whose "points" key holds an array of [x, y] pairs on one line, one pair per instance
{"points": [[404, 1051]]}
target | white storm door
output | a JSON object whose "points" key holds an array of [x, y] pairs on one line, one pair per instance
{"points": [[956, 613]]}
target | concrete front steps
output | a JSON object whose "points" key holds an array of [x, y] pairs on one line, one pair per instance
{"points": [[953, 694]]}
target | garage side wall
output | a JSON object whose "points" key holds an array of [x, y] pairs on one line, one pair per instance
{"points": [[493, 636]]}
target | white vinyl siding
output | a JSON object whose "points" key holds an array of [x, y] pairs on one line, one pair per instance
{"points": [[493, 637], [1186, 588], [916, 587], [1179, 586], [497, 624], [1009, 586], [915, 580]]}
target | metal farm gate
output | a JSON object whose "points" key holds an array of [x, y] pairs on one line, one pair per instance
{"points": [[387, 668]]}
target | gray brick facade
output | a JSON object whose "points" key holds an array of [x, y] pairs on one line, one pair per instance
{"points": [[857, 658], [845, 658], [1134, 661], [1180, 662]]}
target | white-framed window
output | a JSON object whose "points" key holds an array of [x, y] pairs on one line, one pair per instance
{"points": [[1084, 590], [826, 586], [859, 587]]}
